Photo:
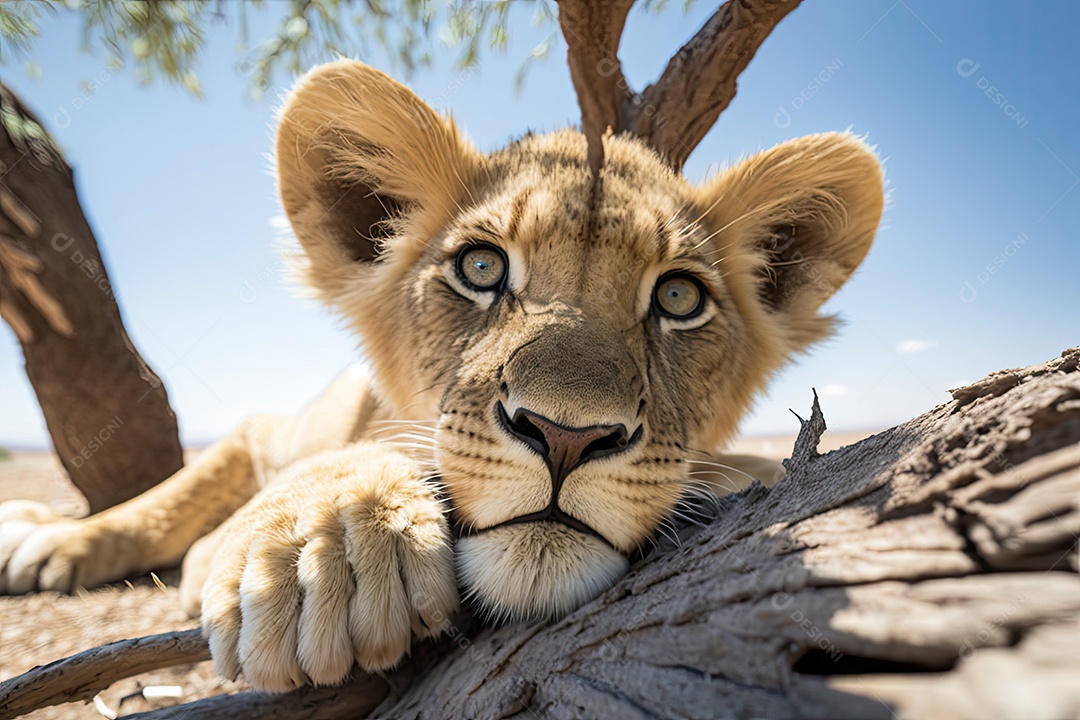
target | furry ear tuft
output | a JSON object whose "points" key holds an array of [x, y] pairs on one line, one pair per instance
{"points": [[798, 220], [360, 158]]}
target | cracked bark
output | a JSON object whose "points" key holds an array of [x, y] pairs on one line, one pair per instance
{"points": [[929, 570]]}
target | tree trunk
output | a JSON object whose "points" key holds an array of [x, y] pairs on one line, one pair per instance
{"points": [[106, 410], [928, 571]]}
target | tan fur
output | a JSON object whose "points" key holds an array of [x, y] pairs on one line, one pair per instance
{"points": [[346, 550]]}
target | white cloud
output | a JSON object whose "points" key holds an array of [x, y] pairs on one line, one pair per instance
{"points": [[910, 347], [833, 390]]}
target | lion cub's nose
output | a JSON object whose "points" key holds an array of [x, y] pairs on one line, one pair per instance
{"points": [[564, 448]]}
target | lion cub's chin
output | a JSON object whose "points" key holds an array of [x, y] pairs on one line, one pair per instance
{"points": [[536, 571]]}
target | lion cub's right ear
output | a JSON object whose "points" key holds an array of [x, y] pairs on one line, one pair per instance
{"points": [[357, 149]]}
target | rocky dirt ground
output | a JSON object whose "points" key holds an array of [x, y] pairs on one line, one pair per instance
{"points": [[38, 629]]}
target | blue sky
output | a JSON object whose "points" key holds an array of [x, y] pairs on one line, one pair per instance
{"points": [[972, 105]]}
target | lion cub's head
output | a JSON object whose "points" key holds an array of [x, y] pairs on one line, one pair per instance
{"points": [[575, 341]]}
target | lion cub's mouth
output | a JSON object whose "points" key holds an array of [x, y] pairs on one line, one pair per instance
{"points": [[552, 514]]}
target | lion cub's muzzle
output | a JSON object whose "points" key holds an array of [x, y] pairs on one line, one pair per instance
{"points": [[563, 449]]}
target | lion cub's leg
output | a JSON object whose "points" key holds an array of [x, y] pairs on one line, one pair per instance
{"points": [[40, 551]]}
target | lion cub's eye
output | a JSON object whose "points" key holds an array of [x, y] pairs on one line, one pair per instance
{"points": [[482, 267], [679, 296]]}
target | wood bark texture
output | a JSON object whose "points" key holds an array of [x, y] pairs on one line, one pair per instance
{"points": [[107, 412], [592, 31], [928, 571]]}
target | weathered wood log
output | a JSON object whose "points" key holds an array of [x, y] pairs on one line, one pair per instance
{"points": [[927, 571], [107, 412]]}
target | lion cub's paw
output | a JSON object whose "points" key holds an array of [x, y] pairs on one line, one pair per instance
{"points": [[339, 562], [40, 550]]}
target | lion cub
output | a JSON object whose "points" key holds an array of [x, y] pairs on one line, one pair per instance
{"points": [[549, 355]]}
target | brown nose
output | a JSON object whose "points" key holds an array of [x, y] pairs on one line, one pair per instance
{"points": [[564, 448]]}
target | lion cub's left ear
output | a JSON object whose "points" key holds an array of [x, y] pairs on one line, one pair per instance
{"points": [[355, 150], [792, 224]]}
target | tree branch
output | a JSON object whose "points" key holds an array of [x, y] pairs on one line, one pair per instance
{"points": [[350, 701], [82, 676], [592, 30], [674, 114]]}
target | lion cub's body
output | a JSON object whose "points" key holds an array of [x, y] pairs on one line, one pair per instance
{"points": [[549, 417]]}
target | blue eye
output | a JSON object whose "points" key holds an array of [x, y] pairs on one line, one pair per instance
{"points": [[482, 267]]}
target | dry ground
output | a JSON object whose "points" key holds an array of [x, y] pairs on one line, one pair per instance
{"points": [[38, 629]]}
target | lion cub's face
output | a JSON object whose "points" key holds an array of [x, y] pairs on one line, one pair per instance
{"points": [[575, 341]]}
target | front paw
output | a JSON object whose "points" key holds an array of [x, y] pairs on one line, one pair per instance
{"points": [[340, 562]]}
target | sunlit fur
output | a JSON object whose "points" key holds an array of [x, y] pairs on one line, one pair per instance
{"points": [[573, 339]]}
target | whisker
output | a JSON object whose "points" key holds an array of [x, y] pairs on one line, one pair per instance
{"points": [[708, 209], [402, 445], [730, 485], [700, 488], [426, 439], [666, 529], [401, 440], [746, 215], [429, 423], [412, 424], [706, 453], [721, 473], [388, 427], [725, 467], [403, 431]]}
